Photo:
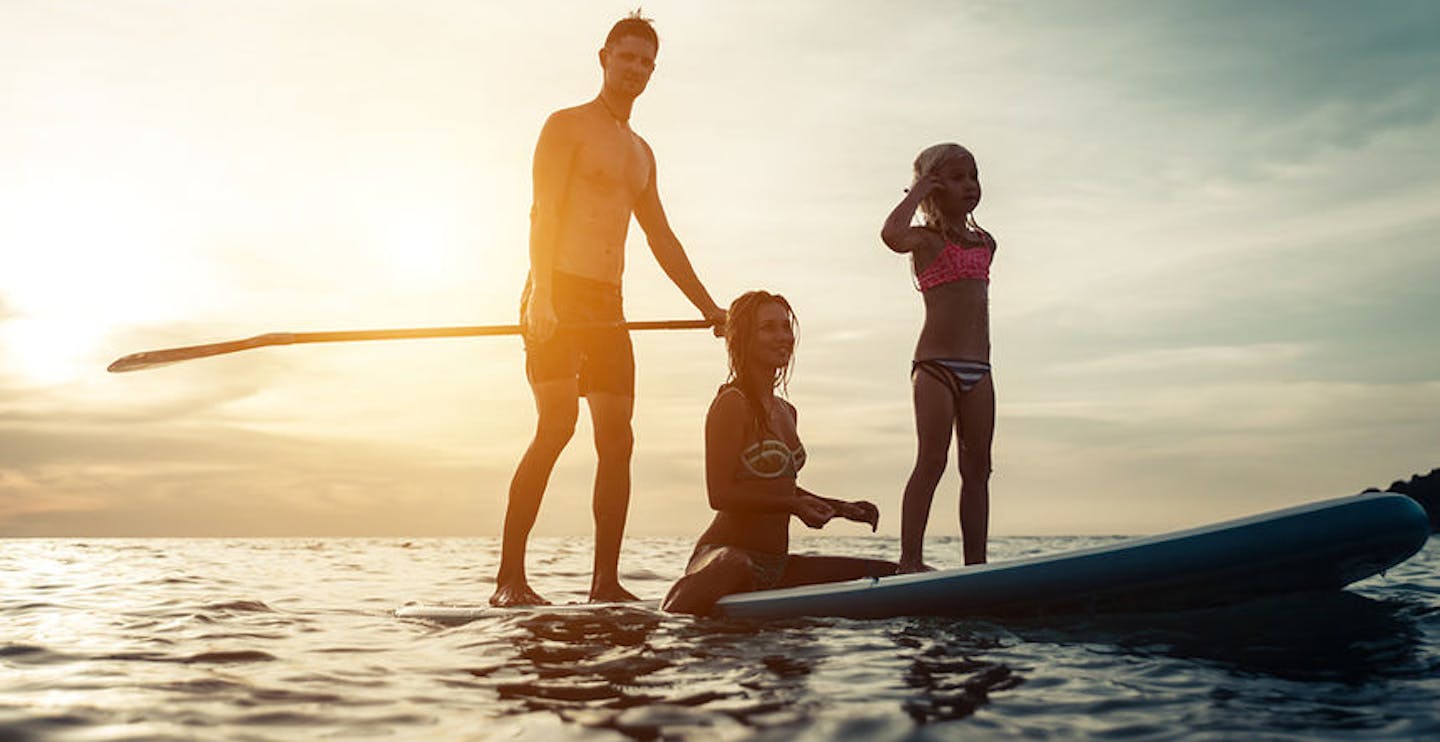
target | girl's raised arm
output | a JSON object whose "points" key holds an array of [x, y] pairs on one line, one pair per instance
{"points": [[898, 234]]}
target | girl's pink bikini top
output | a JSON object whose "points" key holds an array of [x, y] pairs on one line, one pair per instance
{"points": [[956, 262]]}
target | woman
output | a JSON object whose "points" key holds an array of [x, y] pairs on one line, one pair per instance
{"points": [[752, 457]]}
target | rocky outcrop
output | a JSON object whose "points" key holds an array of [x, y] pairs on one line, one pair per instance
{"points": [[1425, 488]]}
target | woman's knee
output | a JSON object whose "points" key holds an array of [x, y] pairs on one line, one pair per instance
{"points": [[735, 568]]}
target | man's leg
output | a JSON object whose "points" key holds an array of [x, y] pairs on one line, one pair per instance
{"points": [[557, 403], [614, 443]]}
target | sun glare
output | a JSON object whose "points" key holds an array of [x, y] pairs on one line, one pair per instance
{"points": [[49, 352], [417, 242], [78, 277]]}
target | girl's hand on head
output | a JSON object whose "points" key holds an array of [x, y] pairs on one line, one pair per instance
{"points": [[926, 184]]}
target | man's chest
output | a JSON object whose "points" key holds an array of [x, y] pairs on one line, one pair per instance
{"points": [[613, 166]]}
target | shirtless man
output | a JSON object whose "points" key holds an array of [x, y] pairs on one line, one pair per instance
{"points": [[591, 172]]}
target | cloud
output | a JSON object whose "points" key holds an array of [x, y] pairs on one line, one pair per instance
{"points": [[204, 481], [1198, 360], [1215, 288]]}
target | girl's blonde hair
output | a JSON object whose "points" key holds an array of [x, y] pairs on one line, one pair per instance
{"points": [[930, 159]]}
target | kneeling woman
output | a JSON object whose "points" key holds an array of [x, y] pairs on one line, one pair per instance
{"points": [[752, 456]]}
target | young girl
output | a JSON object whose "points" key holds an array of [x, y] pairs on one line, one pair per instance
{"points": [[752, 457], [951, 378]]}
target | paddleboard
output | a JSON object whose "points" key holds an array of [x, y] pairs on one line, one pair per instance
{"points": [[1320, 546]]}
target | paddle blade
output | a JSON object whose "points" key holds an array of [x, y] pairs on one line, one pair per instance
{"points": [[155, 358]]}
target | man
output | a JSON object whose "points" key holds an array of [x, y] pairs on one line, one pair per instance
{"points": [[591, 172]]}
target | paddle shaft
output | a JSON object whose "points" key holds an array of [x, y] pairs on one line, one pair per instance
{"points": [[154, 358]]}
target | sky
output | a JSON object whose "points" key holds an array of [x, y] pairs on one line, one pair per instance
{"points": [[1216, 290]]}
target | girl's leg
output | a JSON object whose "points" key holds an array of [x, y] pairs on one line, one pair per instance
{"points": [[975, 428], [934, 415], [814, 570], [721, 572]]}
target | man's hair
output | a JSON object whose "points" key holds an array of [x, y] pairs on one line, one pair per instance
{"points": [[634, 24]]}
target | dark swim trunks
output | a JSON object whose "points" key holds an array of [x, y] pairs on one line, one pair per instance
{"points": [[602, 360]]}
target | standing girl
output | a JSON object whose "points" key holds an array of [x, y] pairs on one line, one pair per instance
{"points": [[952, 383]]}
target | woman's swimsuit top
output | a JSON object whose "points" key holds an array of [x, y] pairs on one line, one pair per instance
{"points": [[770, 458], [956, 262]]}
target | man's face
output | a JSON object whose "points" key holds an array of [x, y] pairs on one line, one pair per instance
{"points": [[628, 63]]}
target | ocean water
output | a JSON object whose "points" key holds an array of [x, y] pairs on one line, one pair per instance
{"points": [[152, 639]]}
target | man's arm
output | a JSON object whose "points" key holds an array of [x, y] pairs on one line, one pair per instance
{"points": [[550, 177], [668, 251]]}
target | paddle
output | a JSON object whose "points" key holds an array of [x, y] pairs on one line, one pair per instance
{"points": [[153, 358]]}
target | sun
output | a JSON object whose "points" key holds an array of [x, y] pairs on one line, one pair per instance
{"points": [[48, 351]]}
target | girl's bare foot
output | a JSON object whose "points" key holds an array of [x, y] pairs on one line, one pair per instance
{"points": [[908, 567]]}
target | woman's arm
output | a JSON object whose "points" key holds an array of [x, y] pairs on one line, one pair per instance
{"points": [[897, 233], [860, 511]]}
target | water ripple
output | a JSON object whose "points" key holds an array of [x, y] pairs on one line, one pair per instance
{"points": [[293, 638]]}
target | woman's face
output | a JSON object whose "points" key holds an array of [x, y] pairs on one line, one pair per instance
{"points": [[774, 341]]}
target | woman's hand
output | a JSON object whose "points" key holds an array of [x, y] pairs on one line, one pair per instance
{"points": [[861, 511], [812, 511]]}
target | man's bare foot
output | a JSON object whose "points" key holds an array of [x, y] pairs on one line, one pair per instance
{"points": [[612, 593], [905, 568], [509, 595]]}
